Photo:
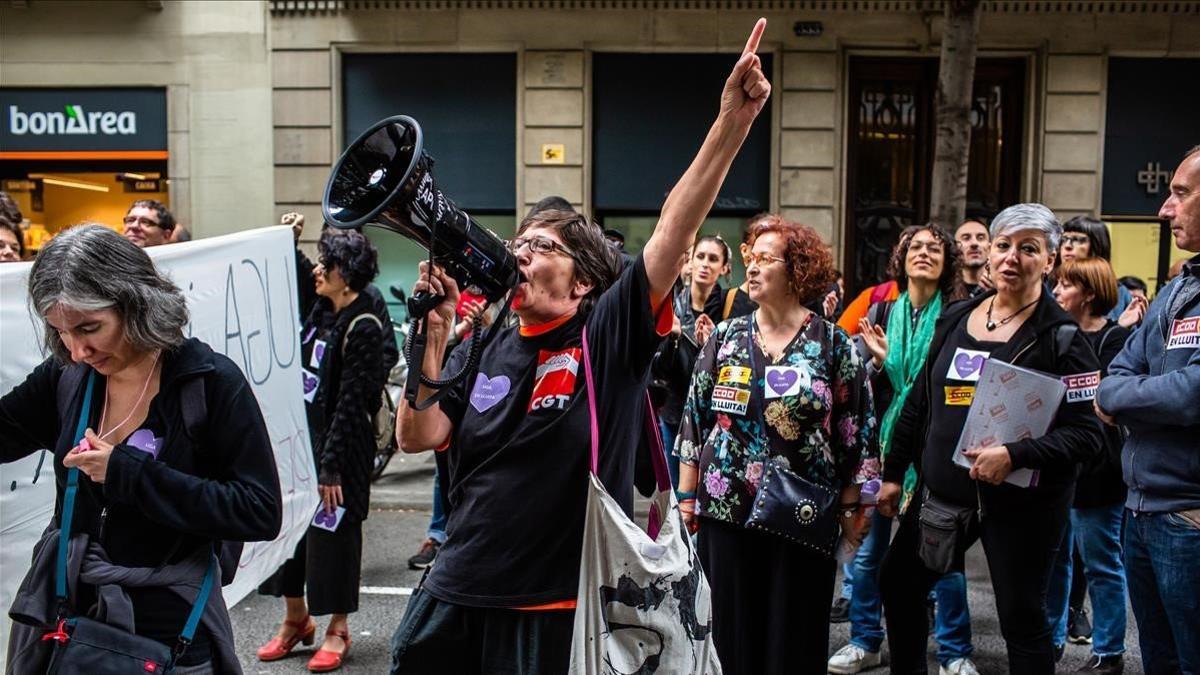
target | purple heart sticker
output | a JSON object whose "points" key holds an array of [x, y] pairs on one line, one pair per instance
{"points": [[145, 440], [325, 518], [310, 382], [966, 365], [487, 393], [781, 380], [319, 352]]}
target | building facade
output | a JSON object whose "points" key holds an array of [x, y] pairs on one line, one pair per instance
{"points": [[603, 103]]}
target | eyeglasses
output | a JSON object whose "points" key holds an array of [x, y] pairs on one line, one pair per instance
{"points": [[1075, 239], [140, 220], [762, 259], [540, 245]]}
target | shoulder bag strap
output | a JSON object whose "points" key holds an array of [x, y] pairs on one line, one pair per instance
{"points": [[68, 509], [365, 315], [730, 296]]}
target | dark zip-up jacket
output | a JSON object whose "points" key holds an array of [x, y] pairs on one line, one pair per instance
{"points": [[1153, 389], [1074, 437], [220, 486]]}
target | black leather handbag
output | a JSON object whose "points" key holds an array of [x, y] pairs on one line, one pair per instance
{"points": [[794, 508], [789, 505]]}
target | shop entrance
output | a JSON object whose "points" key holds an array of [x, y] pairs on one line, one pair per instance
{"points": [[890, 149]]}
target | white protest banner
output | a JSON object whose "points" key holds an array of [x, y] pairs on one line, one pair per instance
{"points": [[241, 292]]}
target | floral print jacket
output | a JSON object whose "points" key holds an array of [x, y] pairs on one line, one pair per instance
{"points": [[811, 407]]}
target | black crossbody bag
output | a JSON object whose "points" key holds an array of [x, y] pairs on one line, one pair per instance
{"points": [[787, 504], [84, 645]]}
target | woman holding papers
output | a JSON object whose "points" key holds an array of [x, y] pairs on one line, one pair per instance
{"points": [[342, 348], [1087, 290], [1020, 527]]}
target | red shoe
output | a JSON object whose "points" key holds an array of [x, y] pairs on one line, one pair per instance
{"points": [[325, 661], [277, 647]]}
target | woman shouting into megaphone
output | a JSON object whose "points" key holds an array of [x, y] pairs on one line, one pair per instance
{"points": [[517, 431]]}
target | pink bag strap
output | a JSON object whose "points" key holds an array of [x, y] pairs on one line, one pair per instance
{"points": [[658, 459]]}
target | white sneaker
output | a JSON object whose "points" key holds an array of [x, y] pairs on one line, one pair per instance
{"points": [[852, 659], [958, 667]]}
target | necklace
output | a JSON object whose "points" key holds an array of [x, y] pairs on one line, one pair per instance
{"points": [[993, 325], [145, 386]]}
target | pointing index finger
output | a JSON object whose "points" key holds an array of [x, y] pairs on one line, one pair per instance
{"points": [[755, 36]]}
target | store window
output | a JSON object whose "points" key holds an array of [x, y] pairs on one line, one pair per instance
{"points": [[638, 155], [466, 105], [83, 154]]}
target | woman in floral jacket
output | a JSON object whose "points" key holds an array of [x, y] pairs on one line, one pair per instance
{"points": [[802, 397]]}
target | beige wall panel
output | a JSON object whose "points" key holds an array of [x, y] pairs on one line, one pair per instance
{"points": [[554, 69], [1069, 191], [1071, 74], [806, 187], [566, 182], [179, 192], [571, 139], [810, 70], [320, 30], [179, 107], [17, 72], [554, 107], [691, 28], [300, 69], [809, 110], [556, 30], [179, 162], [302, 107], [1071, 152], [1184, 30], [1073, 112], [300, 184], [304, 146], [807, 149], [819, 219]]}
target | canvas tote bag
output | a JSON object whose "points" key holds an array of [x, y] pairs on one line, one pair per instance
{"points": [[643, 602]]}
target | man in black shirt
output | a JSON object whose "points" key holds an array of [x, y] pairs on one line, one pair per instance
{"points": [[973, 244], [501, 595]]}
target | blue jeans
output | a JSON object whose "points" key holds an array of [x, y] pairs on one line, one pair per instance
{"points": [[1161, 554], [437, 521], [668, 438], [952, 625], [1096, 533]]}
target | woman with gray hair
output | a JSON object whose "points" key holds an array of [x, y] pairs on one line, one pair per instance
{"points": [[1020, 527], [175, 459]]}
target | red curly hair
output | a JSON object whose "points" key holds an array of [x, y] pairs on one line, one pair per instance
{"points": [[809, 260]]}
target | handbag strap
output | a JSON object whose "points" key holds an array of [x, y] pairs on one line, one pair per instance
{"points": [[68, 509], [662, 476]]}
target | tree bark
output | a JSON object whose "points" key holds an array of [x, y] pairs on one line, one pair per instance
{"points": [[956, 77]]}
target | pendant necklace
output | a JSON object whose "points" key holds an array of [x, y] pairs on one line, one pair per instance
{"points": [[104, 411], [993, 325]]}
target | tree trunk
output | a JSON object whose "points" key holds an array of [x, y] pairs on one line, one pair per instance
{"points": [[956, 75]]}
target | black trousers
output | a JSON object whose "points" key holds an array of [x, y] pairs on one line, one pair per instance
{"points": [[437, 638], [1020, 545], [326, 564], [770, 601]]}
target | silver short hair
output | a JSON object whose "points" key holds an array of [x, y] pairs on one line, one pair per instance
{"points": [[1029, 216], [90, 267]]}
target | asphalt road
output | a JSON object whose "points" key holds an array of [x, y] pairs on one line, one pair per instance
{"points": [[391, 536]]}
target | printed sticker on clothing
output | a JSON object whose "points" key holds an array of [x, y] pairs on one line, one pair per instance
{"points": [[786, 381], [555, 379], [966, 365], [1082, 387], [730, 400], [1185, 334], [734, 375], [960, 395], [310, 384], [318, 353]]}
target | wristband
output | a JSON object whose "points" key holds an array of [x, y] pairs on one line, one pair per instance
{"points": [[680, 496]]}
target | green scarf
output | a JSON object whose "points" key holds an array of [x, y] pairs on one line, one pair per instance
{"points": [[908, 348]]}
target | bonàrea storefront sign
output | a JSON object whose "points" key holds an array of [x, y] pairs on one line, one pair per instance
{"points": [[34, 120]]}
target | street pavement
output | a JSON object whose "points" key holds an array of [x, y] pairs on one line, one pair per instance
{"points": [[396, 527]]}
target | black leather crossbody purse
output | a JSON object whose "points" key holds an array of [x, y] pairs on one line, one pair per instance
{"points": [[787, 504]]}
